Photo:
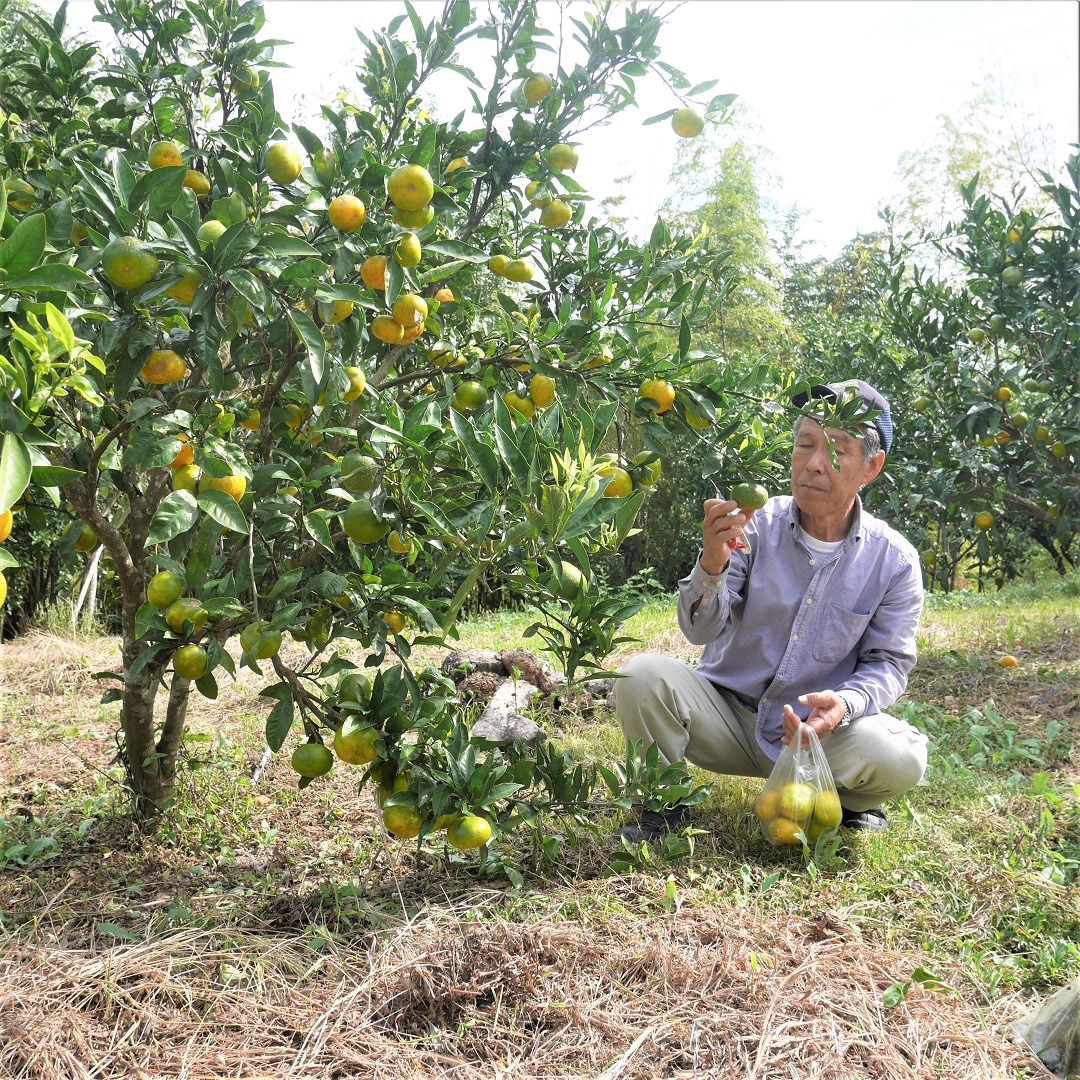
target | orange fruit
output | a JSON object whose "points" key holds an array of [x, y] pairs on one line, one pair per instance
{"points": [[340, 311], [469, 396], [394, 619], [619, 483], [984, 520], [750, 496], [453, 166], [362, 522], [783, 830], [386, 328], [414, 219], [357, 383], [210, 232], [409, 309], [3, 589], [523, 406], [562, 157], [445, 296], [827, 810], [687, 123], [407, 251], [283, 162], [556, 214], [1008, 661], [164, 589], [183, 291], [520, 270], [570, 583], [347, 213], [767, 805], [127, 264], [197, 182], [660, 391], [535, 88], [183, 611], [354, 742], [297, 414], [86, 540], [542, 391], [164, 153], [186, 478], [410, 187], [325, 165], [537, 194], [401, 543], [1003, 393], [497, 264], [402, 821], [373, 272], [6, 519], [797, 801], [185, 455], [234, 484], [312, 759], [468, 831], [190, 662]]}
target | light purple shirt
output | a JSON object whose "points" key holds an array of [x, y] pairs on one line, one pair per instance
{"points": [[783, 621]]}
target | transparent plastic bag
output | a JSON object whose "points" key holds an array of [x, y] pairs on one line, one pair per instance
{"points": [[799, 800], [1052, 1031]]}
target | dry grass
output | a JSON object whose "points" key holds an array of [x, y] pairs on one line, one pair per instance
{"points": [[694, 994]]}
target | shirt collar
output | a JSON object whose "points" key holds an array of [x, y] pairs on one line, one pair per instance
{"points": [[854, 533]]}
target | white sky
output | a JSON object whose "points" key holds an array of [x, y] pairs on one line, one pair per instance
{"points": [[837, 89]]}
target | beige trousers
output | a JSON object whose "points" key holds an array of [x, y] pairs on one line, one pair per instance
{"points": [[662, 700]]}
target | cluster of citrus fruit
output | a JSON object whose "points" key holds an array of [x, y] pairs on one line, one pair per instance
{"points": [[185, 616], [796, 812], [539, 395]]}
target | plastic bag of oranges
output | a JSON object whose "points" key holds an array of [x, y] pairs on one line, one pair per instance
{"points": [[799, 801]]}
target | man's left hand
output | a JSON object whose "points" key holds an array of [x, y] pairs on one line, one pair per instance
{"points": [[826, 715]]}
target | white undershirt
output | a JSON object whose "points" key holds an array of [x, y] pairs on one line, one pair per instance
{"points": [[820, 547]]}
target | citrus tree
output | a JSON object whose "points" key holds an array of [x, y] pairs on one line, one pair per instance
{"points": [[991, 394], [319, 379]]}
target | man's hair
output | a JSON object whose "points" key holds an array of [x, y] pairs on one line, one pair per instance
{"points": [[870, 437]]}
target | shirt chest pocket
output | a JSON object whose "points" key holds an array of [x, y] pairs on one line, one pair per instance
{"points": [[838, 632]]}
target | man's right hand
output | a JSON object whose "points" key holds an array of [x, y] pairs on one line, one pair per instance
{"points": [[723, 523]]}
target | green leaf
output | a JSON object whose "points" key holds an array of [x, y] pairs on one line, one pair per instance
{"points": [[54, 276], [112, 930], [54, 475], [316, 525], [177, 513], [59, 327], [313, 372], [278, 724], [7, 559], [23, 249], [15, 470], [456, 250], [224, 510], [282, 245], [481, 456]]}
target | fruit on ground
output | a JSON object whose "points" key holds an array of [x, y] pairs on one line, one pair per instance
{"points": [[570, 582], [183, 291], [687, 123], [394, 619], [362, 522], [162, 367], [409, 309], [797, 801], [357, 383], [86, 540], [164, 588], [354, 742], [6, 520], [562, 157], [258, 639], [235, 484], [749, 496], [535, 88], [542, 390], [164, 153], [347, 213], [410, 187], [660, 391], [468, 831], [402, 821], [183, 611], [373, 272], [197, 182], [283, 162], [984, 520], [407, 251], [312, 759], [190, 662], [127, 264], [210, 231], [556, 214], [1008, 661]]}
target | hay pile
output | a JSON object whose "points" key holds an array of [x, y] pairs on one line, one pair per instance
{"points": [[687, 994]]}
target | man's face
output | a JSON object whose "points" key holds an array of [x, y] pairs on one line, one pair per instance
{"points": [[825, 486]]}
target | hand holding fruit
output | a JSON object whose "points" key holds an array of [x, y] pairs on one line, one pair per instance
{"points": [[721, 532], [826, 715]]}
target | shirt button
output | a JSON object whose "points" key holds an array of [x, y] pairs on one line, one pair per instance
{"points": [[794, 637], [809, 599]]}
